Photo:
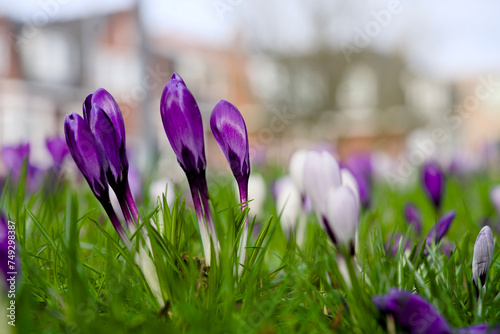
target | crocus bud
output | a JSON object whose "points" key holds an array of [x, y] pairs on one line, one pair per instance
{"points": [[350, 182], [58, 149], [483, 254], [412, 313], [105, 119], [107, 103], [91, 162], [342, 217], [107, 140], [321, 173], [433, 182], [439, 229], [184, 128], [296, 168], [87, 156], [495, 198], [230, 132], [413, 216], [183, 125]]}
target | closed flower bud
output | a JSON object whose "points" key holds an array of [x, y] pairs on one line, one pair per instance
{"points": [[439, 229], [433, 182], [230, 132], [108, 142], [342, 217], [183, 125], [86, 154], [321, 173], [483, 254], [350, 181]]}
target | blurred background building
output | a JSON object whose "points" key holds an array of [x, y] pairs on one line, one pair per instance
{"points": [[353, 76]]}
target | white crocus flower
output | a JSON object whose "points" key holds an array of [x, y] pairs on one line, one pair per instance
{"points": [[483, 254], [321, 173], [342, 216]]}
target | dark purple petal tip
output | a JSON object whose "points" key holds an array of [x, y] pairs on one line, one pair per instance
{"points": [[230, 132], [411, 312]]}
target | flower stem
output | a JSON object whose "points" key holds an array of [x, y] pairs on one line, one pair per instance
{"points": [[202, 225], [116, 223]]}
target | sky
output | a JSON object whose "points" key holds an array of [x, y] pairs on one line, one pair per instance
{"points": [[446, 39]]}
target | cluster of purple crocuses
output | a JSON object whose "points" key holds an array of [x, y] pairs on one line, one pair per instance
{"points": [[97, 144]]}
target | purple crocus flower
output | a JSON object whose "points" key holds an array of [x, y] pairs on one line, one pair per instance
{"points": [[230, 132], [89, 159], [413, 216], [483, 254], [15, 156], [105, 119], [184, 128], [439, 229], [58, 149], [412, 312], [433, 182]]}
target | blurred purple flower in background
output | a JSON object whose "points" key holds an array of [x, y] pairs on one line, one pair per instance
{"points": [[433, 183], [413, 216], [360, 165], [184, 128], [411, 312], [439, 229], [414, 314], [15, 156], [58, 150]]}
